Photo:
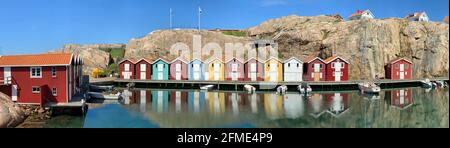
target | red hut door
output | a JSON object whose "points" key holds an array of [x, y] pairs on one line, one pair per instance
{"points": [[143, 71], [127, 74], [337, 72], [234, 72], [253, 72], [178, 71], [317, 72], [402, 71]]}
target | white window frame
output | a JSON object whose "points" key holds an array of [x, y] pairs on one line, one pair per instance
{"points": [[36, 68], [54, 91], [143, 67], [36, 89], [127, 67], [54, 72]]}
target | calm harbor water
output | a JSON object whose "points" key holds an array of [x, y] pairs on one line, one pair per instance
{"points": [[404, 108]]}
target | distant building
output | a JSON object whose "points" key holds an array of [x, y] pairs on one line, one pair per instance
{"points": [[446, 19], [41, 78], [418, 16], [399, 69], [362, 14]]}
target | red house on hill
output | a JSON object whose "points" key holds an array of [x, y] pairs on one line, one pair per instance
{"points": [[127, 69], [314, 69], [41, 78], [143, 69], [399, 69], [336, 69]]}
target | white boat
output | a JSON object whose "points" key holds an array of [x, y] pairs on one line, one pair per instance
{"points": [[369, 88], [427, 83], [440, 84], [282, 89], [207, 87], [250, 89], [101, 88], [97, 95], [304, 89]]}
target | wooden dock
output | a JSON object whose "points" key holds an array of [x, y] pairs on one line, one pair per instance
{"points": [[238, 85], [78, 102]]}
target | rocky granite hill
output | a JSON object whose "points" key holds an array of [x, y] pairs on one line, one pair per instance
{"points": [[94, 56], [367, 44]]}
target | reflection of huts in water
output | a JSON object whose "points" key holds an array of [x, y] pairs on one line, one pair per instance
{"points": [[337, 103], [160, 101], [178, 101], [316, 105], [273, 106], [294, 106], [235, 102], [196, 102], [216, 103], [254, 102]]}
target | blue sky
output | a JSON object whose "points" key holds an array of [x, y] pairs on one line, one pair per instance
{"points": [[35, 26]]}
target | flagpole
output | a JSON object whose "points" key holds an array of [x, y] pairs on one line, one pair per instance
{"points": [[199, 18], [170, 18]]}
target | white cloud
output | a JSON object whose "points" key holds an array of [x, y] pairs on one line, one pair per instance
{"points": [[267, 3]]}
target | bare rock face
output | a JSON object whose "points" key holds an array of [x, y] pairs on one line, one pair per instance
{"points": [[11, 114], [159, 43], [367, 44], [92, 55]]}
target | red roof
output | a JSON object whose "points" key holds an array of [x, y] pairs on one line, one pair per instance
{"points": [[59, 59], [358, 13], [446, 19], [399, 59], [310, 59], [328, 60], [415, 15]]}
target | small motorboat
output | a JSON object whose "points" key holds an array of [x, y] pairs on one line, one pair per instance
{"points": [[101, 88], [250, 89], [97, 95], [369, 88], [207, 87], [282, 89], [440, 84], [304, 89], [427, 83]]}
